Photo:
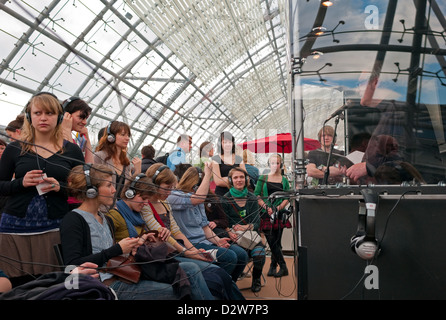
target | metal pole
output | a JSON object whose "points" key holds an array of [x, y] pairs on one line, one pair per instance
{"points": [[297, 130]]}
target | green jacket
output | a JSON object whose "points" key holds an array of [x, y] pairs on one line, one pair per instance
{"points": [[249, 214], [262, 190]]}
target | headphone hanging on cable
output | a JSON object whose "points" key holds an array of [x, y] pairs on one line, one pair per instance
{"points": [[91, 191], [364, 242], [130, 193], [157, 172]]}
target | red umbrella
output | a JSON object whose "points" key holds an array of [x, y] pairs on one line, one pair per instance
{"points": [[280, 143]]}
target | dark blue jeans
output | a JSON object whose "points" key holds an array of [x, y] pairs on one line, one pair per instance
{"points": [[152, 290], [232, 259]]}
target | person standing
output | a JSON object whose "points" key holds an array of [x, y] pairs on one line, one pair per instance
{"points": [[272, 213], [147, 157], [317, 159], [253, 171], [184, 145], [224, 162], [14, 128], [40, 163], [76, 113]]}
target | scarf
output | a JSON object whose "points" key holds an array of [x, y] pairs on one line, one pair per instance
{"points": [[131, 218], [237, 193]]}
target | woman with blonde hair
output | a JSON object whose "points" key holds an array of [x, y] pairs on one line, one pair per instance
{"points": [[187, 203], [272, 212], [253, 171], [158, 213], [40, 163]]}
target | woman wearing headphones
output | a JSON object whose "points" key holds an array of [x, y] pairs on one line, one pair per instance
{"points": [[271, 215], [158, 216], [112, 151], [188, 210], [87, 235], [242, 210], [40, 164], [158, 213], [128, 222]]}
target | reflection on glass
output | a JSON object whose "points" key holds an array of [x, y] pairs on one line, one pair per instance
{"points": [[390, 80]]}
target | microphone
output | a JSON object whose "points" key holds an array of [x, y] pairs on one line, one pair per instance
{"points": [[339, 111]]}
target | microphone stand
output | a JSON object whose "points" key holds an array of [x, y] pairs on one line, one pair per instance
{"points": [[327, 171]]}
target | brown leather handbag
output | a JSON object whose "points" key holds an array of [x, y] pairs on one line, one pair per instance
{"points": [[124, 267]]}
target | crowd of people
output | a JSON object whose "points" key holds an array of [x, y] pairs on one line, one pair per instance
{"points": [[179, 223], [191, 228]]}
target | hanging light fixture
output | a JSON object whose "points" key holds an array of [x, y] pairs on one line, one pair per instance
{"points": [[319, 30], [327, 3], [316, 54]]}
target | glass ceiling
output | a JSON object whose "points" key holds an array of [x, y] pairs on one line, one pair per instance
{"points": [[163, 67]]}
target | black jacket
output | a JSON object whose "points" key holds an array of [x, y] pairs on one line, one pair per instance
{"points": [[14, 166], [146, 163], [75, 238]]}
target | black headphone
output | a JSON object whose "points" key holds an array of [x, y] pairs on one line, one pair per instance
{"points": [[246, 178], [200, 178], [68, 101], [28, 113], [157, 172], [91, 191], [281, 160], [364, 243], [110, 136], [130, 193]]}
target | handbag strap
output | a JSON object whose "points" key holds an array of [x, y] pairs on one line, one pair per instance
{"points": [[156, 215]]}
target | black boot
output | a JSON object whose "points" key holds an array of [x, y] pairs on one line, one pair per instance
{"points": [[283, 271], [272, 270], [256, 285]]}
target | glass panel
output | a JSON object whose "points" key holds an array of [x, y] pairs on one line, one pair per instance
{"points": [[375, 69]]}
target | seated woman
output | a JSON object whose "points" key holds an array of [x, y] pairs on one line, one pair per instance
{"points": [[242, 210], [188, 211], [86, 235], [127, 222], [157, 216]]}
